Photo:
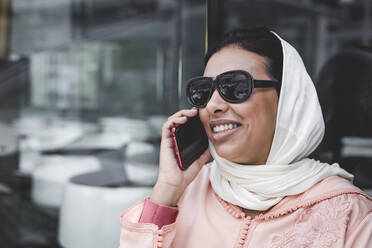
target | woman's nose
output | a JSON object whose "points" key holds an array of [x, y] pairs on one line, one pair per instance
{"points": [[216, 104]]}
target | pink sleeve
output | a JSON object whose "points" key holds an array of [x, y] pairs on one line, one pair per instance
{"points": [[143, 235], [159, 215]]}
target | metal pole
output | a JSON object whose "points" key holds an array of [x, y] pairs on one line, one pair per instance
{"points": [[173, 95], [321, 24]]}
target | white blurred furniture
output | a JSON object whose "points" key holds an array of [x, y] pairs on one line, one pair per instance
{"points": [[52, 172], [156, 123], [50, 176], [141, 163], [356, 147], [136, 128], [100, 141], [91, 209], [8, 139], [43, 134], [39, 134]]}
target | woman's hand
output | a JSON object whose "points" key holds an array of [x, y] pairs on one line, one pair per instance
{"points": [[172, 181]]}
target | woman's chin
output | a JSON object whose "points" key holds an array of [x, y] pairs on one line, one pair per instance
{"points": [[226, 152], [231, 154]]}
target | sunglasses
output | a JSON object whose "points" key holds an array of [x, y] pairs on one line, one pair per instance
{"points": [[233, 86]]}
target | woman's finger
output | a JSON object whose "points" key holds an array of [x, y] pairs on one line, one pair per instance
{"points": [[197, 164], [184, 112], [173, 122]]}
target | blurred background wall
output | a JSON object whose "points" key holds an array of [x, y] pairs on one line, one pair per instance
{"points": [[85, 86]]}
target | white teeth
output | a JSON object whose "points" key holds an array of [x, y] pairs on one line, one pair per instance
{"points": [[221, 128]]}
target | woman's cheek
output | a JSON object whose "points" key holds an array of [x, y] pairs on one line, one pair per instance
{"points": [[205, 120]]}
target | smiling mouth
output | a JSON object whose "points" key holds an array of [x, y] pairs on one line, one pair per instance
{"points": [[224, 127]]}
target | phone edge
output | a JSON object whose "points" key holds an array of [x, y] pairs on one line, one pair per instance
{"points": [[177, 152]]}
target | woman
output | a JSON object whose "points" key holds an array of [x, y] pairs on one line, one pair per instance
{"points": [[261, 190]]}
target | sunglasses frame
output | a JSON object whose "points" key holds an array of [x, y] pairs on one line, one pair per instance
{"points": [[216, 82]]}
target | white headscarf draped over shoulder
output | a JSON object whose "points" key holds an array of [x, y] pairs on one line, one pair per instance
{"points": [[299, 130]]}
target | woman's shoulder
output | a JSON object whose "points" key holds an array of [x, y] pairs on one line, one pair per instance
{"points": [[340, 194], [336, 186], [333, 194], [337, 203], [331, 210]]}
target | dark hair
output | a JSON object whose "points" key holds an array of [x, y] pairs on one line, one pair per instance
{"points": [[259, 40]]}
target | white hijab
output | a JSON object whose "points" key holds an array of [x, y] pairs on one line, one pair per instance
{"points": [[299, 130]]}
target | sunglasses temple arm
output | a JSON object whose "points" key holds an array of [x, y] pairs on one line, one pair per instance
{"points": [[265, 84]]}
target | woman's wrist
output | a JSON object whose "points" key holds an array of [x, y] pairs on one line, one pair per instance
{"points": [[167, 195]]}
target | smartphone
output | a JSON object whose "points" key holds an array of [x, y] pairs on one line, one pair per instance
{"points": [[190, 141]]}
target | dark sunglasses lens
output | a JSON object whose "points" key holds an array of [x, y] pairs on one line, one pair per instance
{"points": [[199, 91], [236, 87]]}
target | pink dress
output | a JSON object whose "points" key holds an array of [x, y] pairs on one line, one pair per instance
{"points": [[333, 213]]}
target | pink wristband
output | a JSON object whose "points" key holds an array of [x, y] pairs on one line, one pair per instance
{"points": [[159, 215]]}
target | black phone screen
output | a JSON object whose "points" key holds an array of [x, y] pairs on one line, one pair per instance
{"points": [[191, 140]]}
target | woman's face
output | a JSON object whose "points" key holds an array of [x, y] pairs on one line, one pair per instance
{"points": [[250, 141]]}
